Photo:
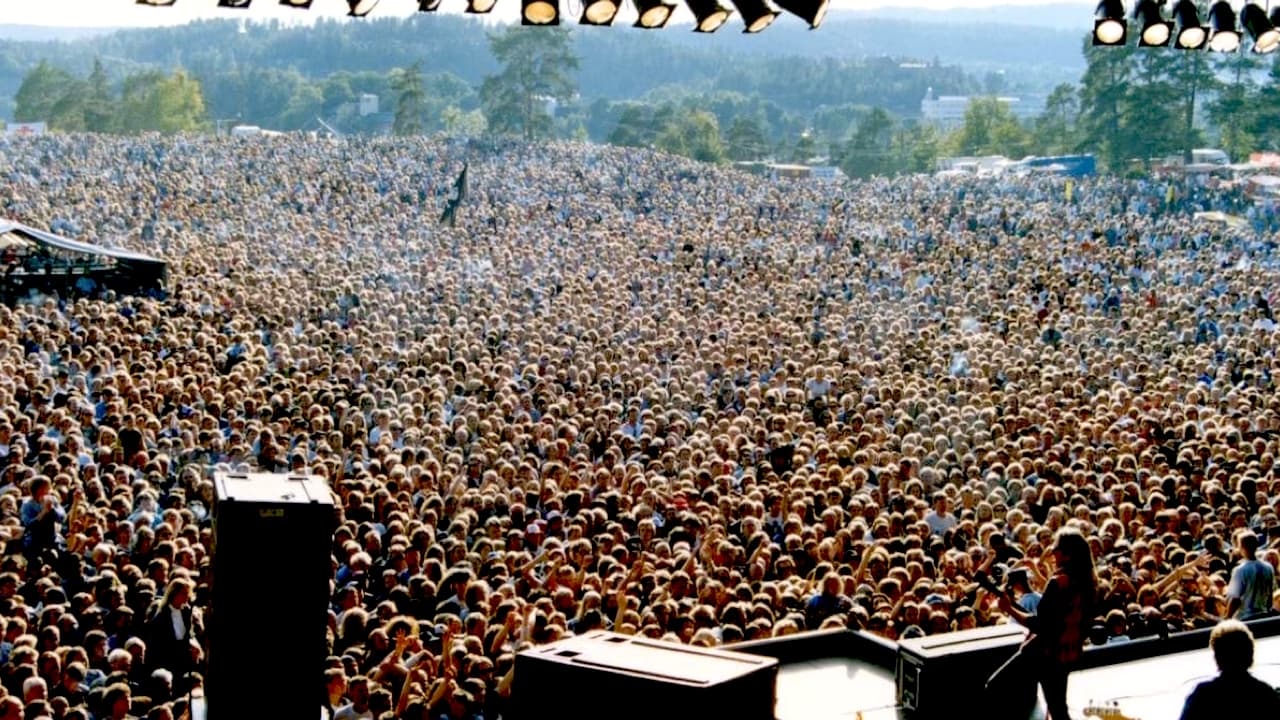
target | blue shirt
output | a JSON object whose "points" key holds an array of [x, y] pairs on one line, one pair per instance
{"points": [[1252, 582]]}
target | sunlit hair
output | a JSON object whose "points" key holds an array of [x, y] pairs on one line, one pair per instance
{"points": [[1077, 562]]}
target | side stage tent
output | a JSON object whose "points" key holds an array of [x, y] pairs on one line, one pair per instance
{"points": [[33, 259]]}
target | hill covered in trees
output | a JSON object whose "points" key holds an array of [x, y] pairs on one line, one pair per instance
{"points": [[851, 59]]}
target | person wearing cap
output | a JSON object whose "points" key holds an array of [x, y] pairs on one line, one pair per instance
{"points": [[1235, 689], [1252, 582]]}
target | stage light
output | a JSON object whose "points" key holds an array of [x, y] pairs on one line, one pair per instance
{"points": [[1263, 32], [1156, 31], [599, 12], [157, 3], [539, 12], [238, 4], [428, 5], [756, 14], [653, 13], [811, 11], [1109, 27], [480, 7], [709, 14], [300, 4], [360, 8], [1191, 33], [1224, 37]]}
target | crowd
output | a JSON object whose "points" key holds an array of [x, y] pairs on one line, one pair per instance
{"points": [[617, 390]]}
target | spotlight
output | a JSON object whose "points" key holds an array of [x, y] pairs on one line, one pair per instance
{"points": [[710, 15], [756, 14], [480, 7], [300, 4], [239, 4], [428, 5], [599, 12], [1191, 33], [360, 8], [157, 3], [811, 11], [1266, 38], [1156, 31], [539, 12], [1224, 38], [653, 13], [1109, 27]]}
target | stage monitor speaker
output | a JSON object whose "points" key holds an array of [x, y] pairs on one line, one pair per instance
{"points": [[269, 597], [943, 676], [621, 677]]}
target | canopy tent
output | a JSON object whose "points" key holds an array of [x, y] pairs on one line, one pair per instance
{"points": [[34, 259]]}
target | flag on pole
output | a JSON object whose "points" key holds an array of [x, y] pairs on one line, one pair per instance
{"points": [[460, 185]]}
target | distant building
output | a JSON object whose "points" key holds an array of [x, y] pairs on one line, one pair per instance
{"points": [[368, 105], [947, 111], [34, 129]]}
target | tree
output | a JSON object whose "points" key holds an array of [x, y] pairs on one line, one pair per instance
{"points": [[1104, 92], [1193, 73], [915, 147], [152, 101], [1265, 118], [1234, 108], [746, 139], [1055, 130], [805, 148], [101, 110], [867, 152], [44, 89], [694, 134], [456, 121], [990, 129], [410, 100], [538, 65], [304, 106], [634, 128]]}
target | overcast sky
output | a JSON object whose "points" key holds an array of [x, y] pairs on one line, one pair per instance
{"points": [[126, 13]]}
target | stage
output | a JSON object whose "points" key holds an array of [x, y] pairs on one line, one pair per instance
{"points": [[1149, 689]]}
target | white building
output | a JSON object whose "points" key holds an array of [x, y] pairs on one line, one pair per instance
{"points": [[368, 105], [947, 111]]}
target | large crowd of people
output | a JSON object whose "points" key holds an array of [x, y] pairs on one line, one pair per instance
{"points": [[619, 390]]}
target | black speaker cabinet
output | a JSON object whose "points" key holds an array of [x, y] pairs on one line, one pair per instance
{"points": [[943, 676], [269, 596], [603, 675]]}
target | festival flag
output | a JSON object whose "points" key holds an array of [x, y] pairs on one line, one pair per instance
{"points": [[460, 185]]}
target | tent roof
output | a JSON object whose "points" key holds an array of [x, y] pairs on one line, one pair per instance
{"points": [[62, 243]]}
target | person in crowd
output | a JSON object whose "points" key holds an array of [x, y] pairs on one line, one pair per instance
{"points": [[1253, 581], [616, 359], [1235, 687]]}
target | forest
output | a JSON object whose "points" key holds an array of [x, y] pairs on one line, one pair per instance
{"points": [[721, 99]]}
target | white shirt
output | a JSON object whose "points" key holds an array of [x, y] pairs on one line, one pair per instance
{"points": [[179, 625]]}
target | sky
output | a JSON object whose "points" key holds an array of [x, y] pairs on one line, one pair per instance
{"points": [[126, 13]]}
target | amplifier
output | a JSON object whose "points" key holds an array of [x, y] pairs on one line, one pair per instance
{"points": [[944, 675], [621, 677], [269, 599]]}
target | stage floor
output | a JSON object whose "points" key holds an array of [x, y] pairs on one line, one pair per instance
{"points": [[1153, 689]]}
